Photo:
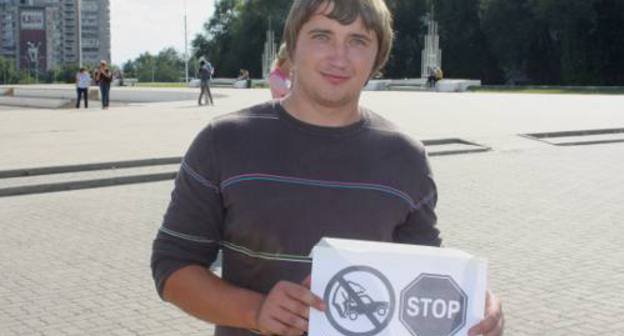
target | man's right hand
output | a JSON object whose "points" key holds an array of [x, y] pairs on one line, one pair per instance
{"points": [[286, 309]]}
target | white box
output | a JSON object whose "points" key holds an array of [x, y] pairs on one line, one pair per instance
{"points": [[383, 289]]}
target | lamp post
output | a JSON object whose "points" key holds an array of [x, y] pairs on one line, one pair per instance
{"points": [[79, 24], [186, 58]]}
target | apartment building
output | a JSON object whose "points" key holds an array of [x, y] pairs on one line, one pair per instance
{"points": [[43, 34]]}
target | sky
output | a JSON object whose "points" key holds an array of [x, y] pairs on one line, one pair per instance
{"points": [[138, 26]]}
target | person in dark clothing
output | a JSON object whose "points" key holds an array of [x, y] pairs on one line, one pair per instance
{"points": [[104, 77], [263, 185], [205, 75], [431, 78]]}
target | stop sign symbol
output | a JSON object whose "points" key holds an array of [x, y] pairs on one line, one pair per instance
{"points": [[433, 305]]}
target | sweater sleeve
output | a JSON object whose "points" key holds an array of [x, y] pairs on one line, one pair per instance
{"points": [[191, 230], [420, 226]]}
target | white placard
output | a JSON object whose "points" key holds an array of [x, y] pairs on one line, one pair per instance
{"points": [[383, 289]]}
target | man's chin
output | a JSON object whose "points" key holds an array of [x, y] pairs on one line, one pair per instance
{"points": [[334, 99]]}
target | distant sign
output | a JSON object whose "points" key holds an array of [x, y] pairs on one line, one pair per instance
{"points": [[32, 20]]}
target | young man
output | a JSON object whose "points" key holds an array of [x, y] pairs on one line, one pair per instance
{"points": [[265, 184], [205, 74]]}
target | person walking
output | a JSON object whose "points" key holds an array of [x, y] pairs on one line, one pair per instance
{"points": [[205, 75], [83, 80], [104, 77]]}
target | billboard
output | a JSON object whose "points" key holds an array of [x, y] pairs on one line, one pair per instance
{"points": [[32, 40]]}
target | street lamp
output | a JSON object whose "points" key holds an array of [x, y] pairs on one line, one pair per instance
{"points": [[186, 58], [79, 24]]}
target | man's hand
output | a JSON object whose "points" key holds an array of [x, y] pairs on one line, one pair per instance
{"points": [[286, 309], [494, 321]]}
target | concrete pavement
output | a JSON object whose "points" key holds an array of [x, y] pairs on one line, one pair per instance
{"points": [[548, 218]]}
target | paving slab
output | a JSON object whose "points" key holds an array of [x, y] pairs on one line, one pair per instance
{"points": [[547, 218]]}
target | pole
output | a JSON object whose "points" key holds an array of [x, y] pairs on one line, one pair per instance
{"points": [[186, 58], [79, 24]]}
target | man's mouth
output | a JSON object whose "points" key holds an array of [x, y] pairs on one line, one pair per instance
{"points": [[335, 79]]}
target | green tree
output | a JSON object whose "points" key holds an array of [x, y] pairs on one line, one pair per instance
{"points": [[608, 41], [509, 26], [500, 41], [129, 69], [169, 66], [146, 67], [8, 73], [405, 57], [235, 35], [466, 53]]}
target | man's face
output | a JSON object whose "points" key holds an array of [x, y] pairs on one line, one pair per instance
{"points": [[332, 62]]}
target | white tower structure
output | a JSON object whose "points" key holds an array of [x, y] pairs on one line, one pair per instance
{"points": [[431, 54], [268, 56]]}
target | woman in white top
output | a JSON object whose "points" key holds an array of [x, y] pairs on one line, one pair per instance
{"points": [[279, 79], [83, 80]]}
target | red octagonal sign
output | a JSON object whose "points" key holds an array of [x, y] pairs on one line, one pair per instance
{"points": [[433, 305]]}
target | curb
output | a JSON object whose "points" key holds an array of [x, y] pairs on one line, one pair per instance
{"points": [[86, 184], [88, 167]]}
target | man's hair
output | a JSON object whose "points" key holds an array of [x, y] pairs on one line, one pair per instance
{"points": [[202, 62], [374, 14]]}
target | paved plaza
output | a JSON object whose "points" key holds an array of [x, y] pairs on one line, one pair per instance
{"points": [[548, 218]]}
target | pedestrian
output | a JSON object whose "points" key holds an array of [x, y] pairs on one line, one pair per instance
{"points": [[265, 184], [120, 76], [104, 77], [243, 75], [438, 75], [279, 78], [431, 77], [83, 80], [206, 70]]}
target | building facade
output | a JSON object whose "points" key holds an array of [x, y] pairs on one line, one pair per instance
{"points": [[41, 35]]}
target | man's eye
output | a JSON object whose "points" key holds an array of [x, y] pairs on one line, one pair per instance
{"points": [[320, 37], [359, 42]]}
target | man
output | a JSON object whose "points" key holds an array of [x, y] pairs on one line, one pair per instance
{"points": [[265, 184], [205, 74]]}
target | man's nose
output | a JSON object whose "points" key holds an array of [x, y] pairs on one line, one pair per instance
{"points": [[339, 55]]}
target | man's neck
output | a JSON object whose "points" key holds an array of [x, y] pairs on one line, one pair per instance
{"points": [[312, 112]]}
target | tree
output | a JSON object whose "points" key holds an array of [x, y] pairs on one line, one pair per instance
{"points": [[499, 41], [405, 57], [169, 65], [234, 37], [608, 38], [509, 27], [129, 69], [8, 73], [466, 53]]}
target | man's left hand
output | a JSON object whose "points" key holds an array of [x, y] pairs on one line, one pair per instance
{"points": [[494, 321]]}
